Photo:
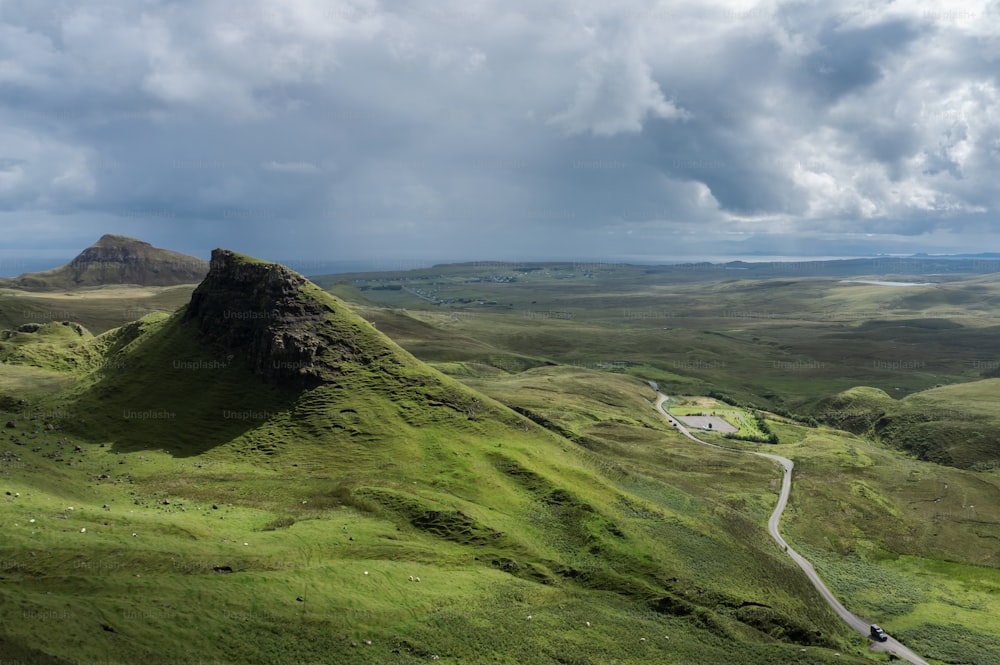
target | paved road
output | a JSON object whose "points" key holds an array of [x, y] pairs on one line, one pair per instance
{"points": [[892, 646]]}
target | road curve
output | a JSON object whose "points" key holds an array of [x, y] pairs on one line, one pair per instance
{"points": [[862, 626]]}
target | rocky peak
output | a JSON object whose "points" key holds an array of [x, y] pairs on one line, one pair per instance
{"points": [[260, 310]]}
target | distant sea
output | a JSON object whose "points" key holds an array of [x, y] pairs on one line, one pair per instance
{"points": [[12, 265]]}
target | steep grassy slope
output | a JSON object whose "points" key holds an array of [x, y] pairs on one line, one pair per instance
{"points": [[264, 477]]}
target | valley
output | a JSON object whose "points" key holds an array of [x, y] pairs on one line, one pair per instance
{"points": [[274, 474]]}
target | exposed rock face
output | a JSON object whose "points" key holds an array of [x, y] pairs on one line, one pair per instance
{"points": [[117, 259], [258, 310]]}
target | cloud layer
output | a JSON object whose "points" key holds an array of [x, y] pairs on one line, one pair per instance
{"points": [[337, 129]]}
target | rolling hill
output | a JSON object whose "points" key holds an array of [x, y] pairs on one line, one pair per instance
{"points": [[956, 425], [263, 476]]}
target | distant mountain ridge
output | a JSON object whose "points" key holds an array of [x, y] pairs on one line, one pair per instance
{"points": [[113, 260]]}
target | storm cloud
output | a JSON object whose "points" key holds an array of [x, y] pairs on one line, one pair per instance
{"points": [[481, 129]]}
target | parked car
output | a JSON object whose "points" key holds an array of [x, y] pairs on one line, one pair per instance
{"points": [[878, 634]]}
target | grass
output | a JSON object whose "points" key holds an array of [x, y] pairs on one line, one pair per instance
{"points": [[784, 344], [542, 484], [389, 468]]}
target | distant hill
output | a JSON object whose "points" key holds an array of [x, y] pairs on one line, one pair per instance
{"points": [[116, 259]]}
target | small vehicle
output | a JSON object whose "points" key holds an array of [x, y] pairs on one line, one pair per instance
{"points": [[878, 634]]}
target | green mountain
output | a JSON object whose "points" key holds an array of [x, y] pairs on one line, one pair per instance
{"points": [[116, 259], [263, 476]]}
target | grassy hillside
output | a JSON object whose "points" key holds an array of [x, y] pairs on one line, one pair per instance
{"points": [[98, 309], [784, 343], [174, 503], [910, 543], [957, 425]]}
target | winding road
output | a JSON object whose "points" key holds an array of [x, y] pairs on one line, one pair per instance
{"points": [[862, 626]]}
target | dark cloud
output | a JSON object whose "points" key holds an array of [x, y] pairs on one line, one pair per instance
{"points": [[356, 128]]}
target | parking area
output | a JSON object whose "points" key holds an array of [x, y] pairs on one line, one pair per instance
{"points": [[708, 423]]}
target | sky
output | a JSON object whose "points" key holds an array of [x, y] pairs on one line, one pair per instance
{"points": [[418, 130]]}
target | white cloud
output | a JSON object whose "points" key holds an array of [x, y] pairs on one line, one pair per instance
{"points": [[290, 167], [462, 120]]}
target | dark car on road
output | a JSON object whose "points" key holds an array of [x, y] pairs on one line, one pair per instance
{"points": [[878, 634]]}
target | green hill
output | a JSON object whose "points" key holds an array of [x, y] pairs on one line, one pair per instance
{"points": [[263, 476], [956, 425], [115, 259]]}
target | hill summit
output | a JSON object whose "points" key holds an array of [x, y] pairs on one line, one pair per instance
{"points": [[116, 259], [286, 327]]}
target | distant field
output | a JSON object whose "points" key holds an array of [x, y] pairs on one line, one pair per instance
{"points": [[98, 309], [784, 343]]}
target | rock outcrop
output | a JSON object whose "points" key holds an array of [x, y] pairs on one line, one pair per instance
{"points": [[285, 327]]}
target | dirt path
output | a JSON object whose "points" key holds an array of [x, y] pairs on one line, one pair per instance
{"points": [[862, 626]]}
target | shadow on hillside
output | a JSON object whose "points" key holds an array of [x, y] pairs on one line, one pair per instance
{"points": [[160, 388]]}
